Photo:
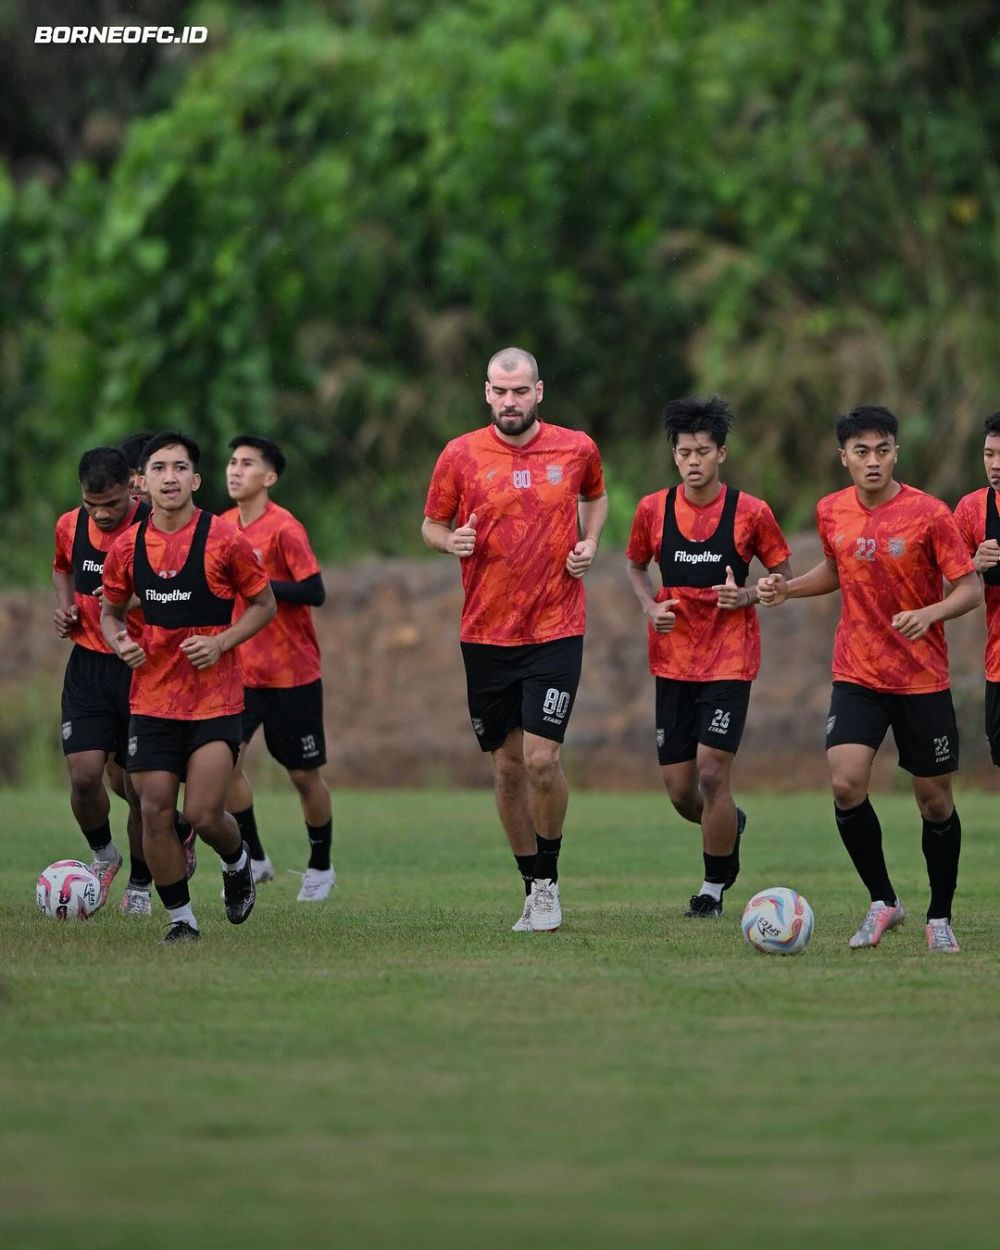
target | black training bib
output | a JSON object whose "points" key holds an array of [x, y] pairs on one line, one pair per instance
{"points": [[684, 562], [184, 601], [88, 560], [992, 576]]}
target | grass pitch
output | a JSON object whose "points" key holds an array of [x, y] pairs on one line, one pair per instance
{"points": [[397, 1069]]}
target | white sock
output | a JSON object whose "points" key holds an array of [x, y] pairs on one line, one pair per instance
{"points": [[712, 888], [182, 913], [943, 920], [240, 863], [106, 852]]}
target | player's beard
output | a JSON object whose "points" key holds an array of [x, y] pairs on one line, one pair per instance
{"points": [[516, 424]]}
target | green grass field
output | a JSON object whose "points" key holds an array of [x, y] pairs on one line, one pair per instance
{"points": [[396, 1068]]}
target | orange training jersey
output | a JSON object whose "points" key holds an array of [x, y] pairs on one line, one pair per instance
{"points": [[970, 516], [167, 684], [87, 630], [517, 589], [285, 652], [707, 643], [890, 559]]}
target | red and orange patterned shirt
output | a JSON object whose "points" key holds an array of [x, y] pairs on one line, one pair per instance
{"points": [[890, 559], [286, 651], [517, 590], [970, 516], [87, 630], [707, 643], [167, 684]]}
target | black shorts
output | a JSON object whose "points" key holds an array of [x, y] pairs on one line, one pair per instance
{"points": [[293, 723], [923, 725], [95, 713], [157, 744], [688, 712], [531, 687], [993, 719]]}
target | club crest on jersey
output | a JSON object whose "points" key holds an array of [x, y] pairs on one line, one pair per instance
{"points": [[897, 546], [554, 473], [67, 729]]}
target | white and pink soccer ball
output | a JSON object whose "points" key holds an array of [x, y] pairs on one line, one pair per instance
{"points": [[68, 890], [777, 921]]}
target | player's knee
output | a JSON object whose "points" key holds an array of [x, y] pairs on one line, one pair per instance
{"points": [[541, 763], [308, 782], [937, 807], [85, 782], [713, 781], [848, 791]]}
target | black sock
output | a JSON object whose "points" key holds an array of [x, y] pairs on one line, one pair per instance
{"points": [[942, 845], [526, 867], [232, 857], [320, 837], [861, 834], [176, 895], [98, 839], [247, 822], [547, 861], [181, 827], [139, 875], [716, 868]]}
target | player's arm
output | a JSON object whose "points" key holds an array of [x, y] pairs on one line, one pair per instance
{"points": [[776, 588], [661, 615], [731, 596], [439, 536], [310, 591], [964, 595], [206, 650], [67, 613], [115, 633], [593, 514]]}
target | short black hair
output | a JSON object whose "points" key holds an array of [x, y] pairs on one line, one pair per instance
{"points": [[101, 468], [693, 415], [267, 447], [132, 447], [171, 438], [866, 417], [992, 424]]}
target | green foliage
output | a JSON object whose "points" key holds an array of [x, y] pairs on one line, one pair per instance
{"points": [[338, 219]]}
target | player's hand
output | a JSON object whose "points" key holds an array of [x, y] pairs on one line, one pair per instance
{"points": [[987, 556], [729, 594], [662, 615], [915, 624], [462, 541], [203, 650], [772, 590], [64, 620], [581, 557], [129, 650]]}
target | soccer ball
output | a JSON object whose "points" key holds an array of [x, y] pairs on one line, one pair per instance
{"points": [[68, 890], [777, 921]]}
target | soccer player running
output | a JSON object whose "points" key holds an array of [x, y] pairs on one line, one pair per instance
{"points": [[978, 521], [528, 503], [132, 451], [704, 637], [281, 665], [95, 695], [186, 567], [888, 547]]}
